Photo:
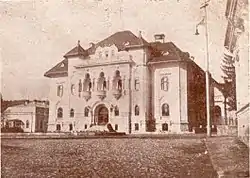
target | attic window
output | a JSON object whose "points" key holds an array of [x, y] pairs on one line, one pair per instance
{"points": [[62, 65], [166, 53], [126, 43]]}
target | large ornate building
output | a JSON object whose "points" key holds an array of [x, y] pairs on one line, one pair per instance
{"points": [[134, 85]]}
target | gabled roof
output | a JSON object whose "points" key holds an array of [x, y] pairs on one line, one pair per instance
{"points": [[59, 70], [76, 51], [121, 40]]}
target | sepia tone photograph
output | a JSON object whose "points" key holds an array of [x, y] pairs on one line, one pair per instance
{"points": [[124, 88]]}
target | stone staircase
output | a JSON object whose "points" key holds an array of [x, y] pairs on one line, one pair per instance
{"points": [[101, 128]]}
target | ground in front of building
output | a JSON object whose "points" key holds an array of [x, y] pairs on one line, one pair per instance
{"points": [[127, 157]]}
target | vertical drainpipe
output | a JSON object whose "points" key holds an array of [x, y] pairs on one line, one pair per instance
{"points": [[144, 85], [69, 91], [179, 67], [130, 99], [32, 118]]}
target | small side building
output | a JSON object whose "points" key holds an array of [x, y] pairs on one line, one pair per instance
{"points": [[32, 116]]}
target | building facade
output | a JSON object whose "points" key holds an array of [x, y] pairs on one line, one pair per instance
{"points": [[125, 81], [32, 116], [237, 39]]}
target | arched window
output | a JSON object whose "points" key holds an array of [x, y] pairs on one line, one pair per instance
{"points": [[165, 109], [164, 83], [117, 82], [72, 113], [87, 83], [60, 90], [86, 112], [27, 124], [116, 111], [137, 110], [101, 85], [73, 89], [59, 113], [80, 87]]}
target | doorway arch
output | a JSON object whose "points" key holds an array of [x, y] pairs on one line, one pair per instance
{"points": [[101, 115]]}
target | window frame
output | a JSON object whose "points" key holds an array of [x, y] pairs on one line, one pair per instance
{"points": [[136, 126], [116, 111], [59, 111], [86, 112], [164, 127], [59, 90], [72, 113], [137, 84], [116, 127], [162, 110], [135, 110], [27, 124], [164, 83]]}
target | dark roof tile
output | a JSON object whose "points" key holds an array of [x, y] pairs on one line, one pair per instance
{"points": [[121, 40], [76, 51], [59, 70]]}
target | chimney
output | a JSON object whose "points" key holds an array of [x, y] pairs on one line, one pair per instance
{"points": [[139, 35], [159, 38]]}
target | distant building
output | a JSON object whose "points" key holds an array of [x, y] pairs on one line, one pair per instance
{"points": [[134, 85], [32, 116]]}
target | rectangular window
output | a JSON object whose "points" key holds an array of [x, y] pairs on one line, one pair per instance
{"points": [[164, 127], [116, 126], [85, 126], [137, 84], [136, 126]]}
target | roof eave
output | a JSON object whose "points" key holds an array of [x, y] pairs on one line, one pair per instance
{"points": [[136, 46], [56, 74], [160, 62]]}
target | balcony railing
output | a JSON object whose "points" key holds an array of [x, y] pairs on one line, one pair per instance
{"points": [[101, 94], [86, 95], [117, 93]]}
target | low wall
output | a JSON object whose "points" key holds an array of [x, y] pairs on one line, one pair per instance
{"points": [[226, 130], [93, 135], [243, 124]]}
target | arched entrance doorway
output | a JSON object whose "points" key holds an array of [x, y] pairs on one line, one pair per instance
{"points": [[101, 115], [217, 114]]}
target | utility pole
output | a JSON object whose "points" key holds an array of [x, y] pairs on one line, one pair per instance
{"points": [[204, 6], [207, 73]]}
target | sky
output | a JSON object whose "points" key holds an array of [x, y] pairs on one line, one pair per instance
{"points": [[34, 35]]}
